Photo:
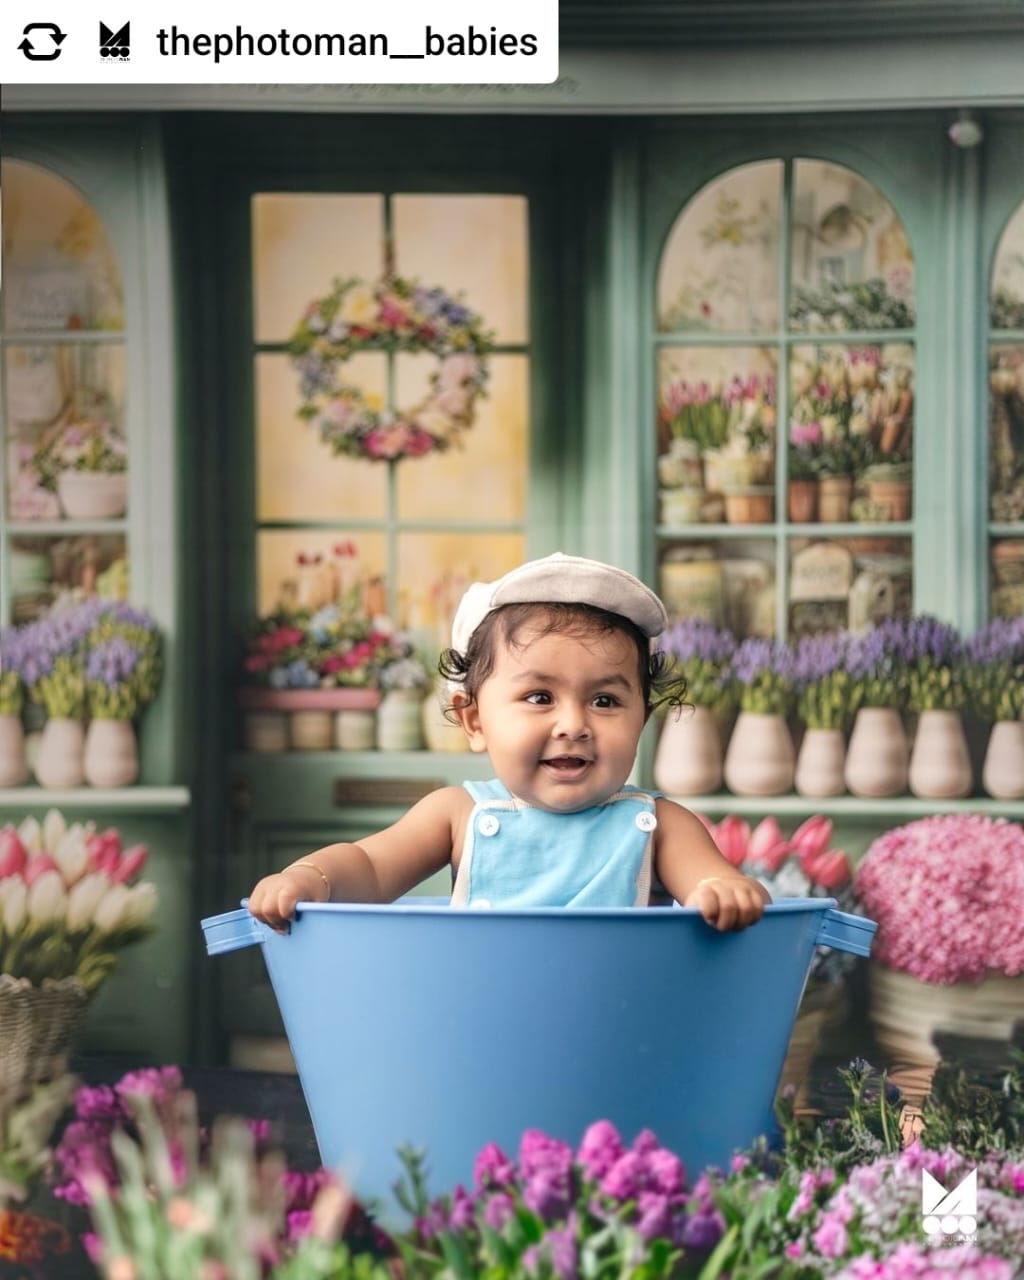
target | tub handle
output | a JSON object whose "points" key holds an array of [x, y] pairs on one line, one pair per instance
{"points": [[846, 932], [231, 931]]}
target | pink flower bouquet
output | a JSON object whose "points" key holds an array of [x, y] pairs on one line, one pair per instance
{"points": [[799, 866], [948, 895]]}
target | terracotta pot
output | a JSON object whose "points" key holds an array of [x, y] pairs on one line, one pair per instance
{"points": [[93, 495], [802, 501], [111, 756], [60, 760], [878, 755], [940, 764], [1002, 774], [906, 1015], [750, 506], [892, 497], [820, 763], [760, 759], [13, 759], [688, 761], [834, 495]]}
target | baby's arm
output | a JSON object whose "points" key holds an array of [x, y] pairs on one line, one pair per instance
{"points": [[691, 868], [379, 868]]}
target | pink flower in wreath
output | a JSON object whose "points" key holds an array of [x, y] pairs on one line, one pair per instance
{"points": [[393, 314], [419, 443], [388, 442]]}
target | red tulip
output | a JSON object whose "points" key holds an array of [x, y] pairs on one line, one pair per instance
{"points": [[12, 853], [105, 851], [132, 862], [812, 837], [733, 838], [830, 869], [768, 847], [37, 866]]}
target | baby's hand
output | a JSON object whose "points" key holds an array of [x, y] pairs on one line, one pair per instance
{"points": [[728, 902], [274, 898]]}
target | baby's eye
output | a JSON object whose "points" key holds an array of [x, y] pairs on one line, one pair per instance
{"points": [[605, 700], [539, 698]]}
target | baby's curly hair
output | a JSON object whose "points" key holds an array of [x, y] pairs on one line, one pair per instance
{"points": [[661, 684]]}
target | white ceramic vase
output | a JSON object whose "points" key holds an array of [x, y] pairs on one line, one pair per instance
{"points": [[1002, 773], [111, 753], [60, 760], [688, 761], [878, 754], [13, 760], [940, 764], [355, 729], [93, 495], [400, 721], [820, 763], [760, 760]]}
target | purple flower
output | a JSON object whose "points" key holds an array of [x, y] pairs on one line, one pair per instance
{"points": [[817, 656], [547, 1193], [492, 1168], [756, 657], [539, 1153], [463, 1209], [600, 1148], [695, 639], [623, 1179], [701, 1230], [655, 1218], [499, 1209]]}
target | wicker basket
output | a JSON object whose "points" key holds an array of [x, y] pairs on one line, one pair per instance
{"points": [[821, 1004], [38, 1025], [907, 1014]]}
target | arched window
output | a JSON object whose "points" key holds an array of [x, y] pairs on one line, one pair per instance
{"points": [[785, 401], [1006, 421]]}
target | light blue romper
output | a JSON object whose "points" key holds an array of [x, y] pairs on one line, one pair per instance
{"points": [[518, 856]]}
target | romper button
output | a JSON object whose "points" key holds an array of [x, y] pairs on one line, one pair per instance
{"points": [[646, 821], [481, 904], [488, 825]]}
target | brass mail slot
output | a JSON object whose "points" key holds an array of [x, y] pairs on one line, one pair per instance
{"points": [[383, 791]]}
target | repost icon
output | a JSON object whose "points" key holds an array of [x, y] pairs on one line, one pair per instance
{"points": [[42, 48]]}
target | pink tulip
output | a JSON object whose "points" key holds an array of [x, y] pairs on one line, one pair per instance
{"points": [[37, 866], [12, 853], [812, 837], [733, 838], [768, 847], [830, 869], [132, 862], [105, 851]]}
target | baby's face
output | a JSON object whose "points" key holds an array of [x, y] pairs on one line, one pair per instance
{"points": [[560, 717]]}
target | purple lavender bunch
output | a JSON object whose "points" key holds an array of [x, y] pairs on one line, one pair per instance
{"points": [[764, 671], [878, 660], [935, 668], [994, 665], [703, 653], [824, 686], [110, 679], [12, 679]]}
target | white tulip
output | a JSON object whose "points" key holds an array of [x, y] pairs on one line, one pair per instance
{"points": [[141, 904], [47, 899], [54, 827], [111, 908], [31, 835], [15, 904], [84, 899], [71, 854]]}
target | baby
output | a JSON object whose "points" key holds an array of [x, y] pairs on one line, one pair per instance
{"points": [[554, 672]]}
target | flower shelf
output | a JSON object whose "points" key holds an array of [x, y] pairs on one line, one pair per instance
{"points": [[308, 699]]}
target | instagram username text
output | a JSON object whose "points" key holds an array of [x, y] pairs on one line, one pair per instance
{"points": [[221, 45]]}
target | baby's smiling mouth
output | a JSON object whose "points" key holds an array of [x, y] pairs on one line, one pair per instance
{"points": [[566, 763]]}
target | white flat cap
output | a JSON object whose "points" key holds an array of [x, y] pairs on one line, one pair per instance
{"points": [[561, 579]]}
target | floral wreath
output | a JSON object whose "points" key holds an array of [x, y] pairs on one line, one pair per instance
{"points": [[392, 314]]}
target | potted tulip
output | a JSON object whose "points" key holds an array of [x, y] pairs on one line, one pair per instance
{"points": [[940, 765], [878, 754], [994, 658], [13, 764], [688, 760], [824, 699], [760, 759]]}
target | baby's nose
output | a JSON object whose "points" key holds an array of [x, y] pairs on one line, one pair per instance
{"points": [[573, 721]]}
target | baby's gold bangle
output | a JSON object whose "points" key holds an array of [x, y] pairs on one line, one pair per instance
{"points": [[320, 871]]}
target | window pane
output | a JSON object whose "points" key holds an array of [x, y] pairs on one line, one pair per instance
{"points": [[298, 477], [716, 432], [434, 571], [1006, 432], [851, 262], [719, 267], [59, 270], [473, 244], [60, 402], [1008, 276], [730, 583], [300, 244], [1007, 565], [41, 569], [482, 476], [848, 582], [305, 569]]}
